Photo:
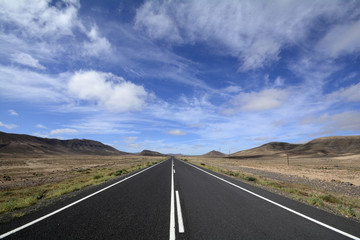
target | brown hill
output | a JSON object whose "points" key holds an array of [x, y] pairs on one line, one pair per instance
{"points": [[317, 147], [266, 149], [150, 153], [26, 144], [214, 154], [329, 146]]}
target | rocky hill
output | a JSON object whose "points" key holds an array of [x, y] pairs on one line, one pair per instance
{"points": [[214, 154], [150, 153], [26, 144], [318, 147], [330, 146], [266, 149]]}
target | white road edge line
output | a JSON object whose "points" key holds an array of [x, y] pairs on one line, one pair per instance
{"points": [[71, 204], [281, 206], [179, 214], [172, 206]]}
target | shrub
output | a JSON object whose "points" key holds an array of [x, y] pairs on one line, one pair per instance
{"points": [[250, 179], [330, 198], [120, 172]]}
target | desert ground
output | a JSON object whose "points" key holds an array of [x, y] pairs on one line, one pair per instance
{"points": [[31, 182], [344, 170], [19, 171]]}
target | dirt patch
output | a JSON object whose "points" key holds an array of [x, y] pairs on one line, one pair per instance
{"points": [[17, 171], [339, 174]]}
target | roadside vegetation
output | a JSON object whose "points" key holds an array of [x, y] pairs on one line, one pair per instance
{"points": [[343, 205], [21, 197]]}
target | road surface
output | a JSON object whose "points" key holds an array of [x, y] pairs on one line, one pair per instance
{"points": [[176, 200]]}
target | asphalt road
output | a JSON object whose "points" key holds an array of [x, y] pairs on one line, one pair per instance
{"points": [[175, 200]]}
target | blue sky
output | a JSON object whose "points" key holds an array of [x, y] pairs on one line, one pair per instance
{"points": [[180, 76]]}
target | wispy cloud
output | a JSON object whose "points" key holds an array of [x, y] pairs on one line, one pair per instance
{"points": [[176, 132], [130, 142], [63, 131], [254, 33], [26, 60], [342, 39], [260, 101], [8, 126], [41, 126], [349, 94], [13, 112]]}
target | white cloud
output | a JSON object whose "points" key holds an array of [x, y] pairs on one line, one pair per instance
{"points": [[130, 142], [13, 112], [130, 139], [8, 126], [255, 32], [108, 90], [176, 132], [105, 123], [260, 101], [279, 81], [27, 60], [53, 25], [329, 124], [21, 84], [350, 94], [80, 91], [38, 18], [158, 24], [63, 131], [345, 121], [341, 39], [41, 126], [97, 45], [231, 89]]}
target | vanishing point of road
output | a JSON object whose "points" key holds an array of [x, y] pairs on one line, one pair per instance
{"points": [[176, 200]]}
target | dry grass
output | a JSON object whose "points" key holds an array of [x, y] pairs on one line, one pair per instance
{"points": [[25, 181], [344, 168], [341, 168]]}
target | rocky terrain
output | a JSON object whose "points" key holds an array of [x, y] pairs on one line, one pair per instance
{"points": [[26, 144]]}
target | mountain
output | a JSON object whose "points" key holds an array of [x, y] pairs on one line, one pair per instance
{"points": [[214, 154], [317, 147], [150, 153], [26, 144], [266, 149], [330, 146]]}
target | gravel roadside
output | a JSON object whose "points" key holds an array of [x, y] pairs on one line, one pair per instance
{"points": [[333, 186]]}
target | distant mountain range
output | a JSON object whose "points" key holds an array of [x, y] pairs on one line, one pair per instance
{"points": [[26, 144], [325, 146]]}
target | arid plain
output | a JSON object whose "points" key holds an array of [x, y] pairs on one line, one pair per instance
{"points": [[324, 172]]}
